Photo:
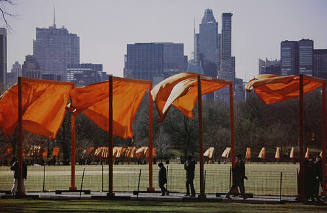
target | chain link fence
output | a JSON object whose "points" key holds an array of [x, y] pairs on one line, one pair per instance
{"points": [[263, 179]]}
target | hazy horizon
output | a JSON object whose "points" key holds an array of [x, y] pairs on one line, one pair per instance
{"points": [[105, 27]]}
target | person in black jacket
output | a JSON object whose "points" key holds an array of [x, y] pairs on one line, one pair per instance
{"points": [[238, 177], [15, 168], [162, 179], [189, 166]]}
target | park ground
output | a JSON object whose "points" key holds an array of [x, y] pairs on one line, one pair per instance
{"points": [[27, 205]]}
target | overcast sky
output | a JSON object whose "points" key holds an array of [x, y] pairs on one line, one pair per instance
{"points": [[105, 27]]}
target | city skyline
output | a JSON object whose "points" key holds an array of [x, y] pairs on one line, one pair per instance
{"points": [[106, 27]]}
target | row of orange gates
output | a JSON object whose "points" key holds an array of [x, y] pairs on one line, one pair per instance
{"points": [[262, 154], [100, 152], [141, 152]]}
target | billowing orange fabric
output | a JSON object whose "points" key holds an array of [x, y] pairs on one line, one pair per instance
{"points": [[130, 152], [181, 91], [154, 153], [248, 153], [45, 153], [226, 153], [43, 105], [273, 88], [93, 101], [141, 152], [277, 154], [55, 152], [292, 155], [262, 153], [209, 152]]}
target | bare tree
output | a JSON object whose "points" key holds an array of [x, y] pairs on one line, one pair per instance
{"points": [[5, 6]]}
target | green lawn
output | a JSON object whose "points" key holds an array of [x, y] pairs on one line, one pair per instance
{"points": [[263, 179], [149, 206]]}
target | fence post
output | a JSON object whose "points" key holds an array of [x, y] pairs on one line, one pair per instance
{"points": [[167, 176], [230, 177], [102, 176], [205, 177], [138, 185], [280, 186], [43, 178], [80, 192]]}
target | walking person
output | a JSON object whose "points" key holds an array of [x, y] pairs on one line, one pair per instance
{"points": [[15, 168], [238, 177], [162, 179], [189, 166]]}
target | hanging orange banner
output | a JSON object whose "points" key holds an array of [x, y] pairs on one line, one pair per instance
{"points": [[93, 101], [43, 106], [181, 91]]}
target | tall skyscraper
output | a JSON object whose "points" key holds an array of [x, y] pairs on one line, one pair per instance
{"points": [[154, 61], [305, 56], [227, 62], [207, 42], [3, 58], [320, 63], [55, 48], [289, 56]]}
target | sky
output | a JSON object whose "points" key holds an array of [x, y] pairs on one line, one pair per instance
{"points": [[105, 27]]}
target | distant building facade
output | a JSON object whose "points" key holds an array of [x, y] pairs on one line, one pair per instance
{"points": [[297, 57], [3, 58], [16, 71], [55, 48], [154, 61], [31, 68], [289, 57], [269, 67], [320, 63], [84, 74], [305, 56]]}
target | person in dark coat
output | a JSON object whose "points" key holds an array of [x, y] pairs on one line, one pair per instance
{"points": [[15, 168], [162, 179], [238, 177], [189, 166], [309, 179], [317, 177]]}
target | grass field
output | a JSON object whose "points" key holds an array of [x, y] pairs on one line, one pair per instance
{"points": [[150, 206], [263, 179]]}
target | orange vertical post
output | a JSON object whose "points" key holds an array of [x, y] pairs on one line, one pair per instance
{"points": [[110, 193], [323, 136], [232, 139], [73, 151], [202, 189], [301, 142], [150, 188], [20, 139]]}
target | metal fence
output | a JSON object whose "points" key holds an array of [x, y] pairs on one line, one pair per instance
{"points": [[263, 179]]}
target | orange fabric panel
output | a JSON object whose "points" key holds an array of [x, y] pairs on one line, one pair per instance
{"points": [[181, 91], [262, 153], [93, 101], [45, 153], [9, 150], [43, 105], [277, 154], [273, 88], [248, 153], [154, 153], [209, 152], [55, 152], [292, 155], [307, 154]]}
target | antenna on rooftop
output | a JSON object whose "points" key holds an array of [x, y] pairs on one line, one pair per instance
{"points": [[54, 17]]}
